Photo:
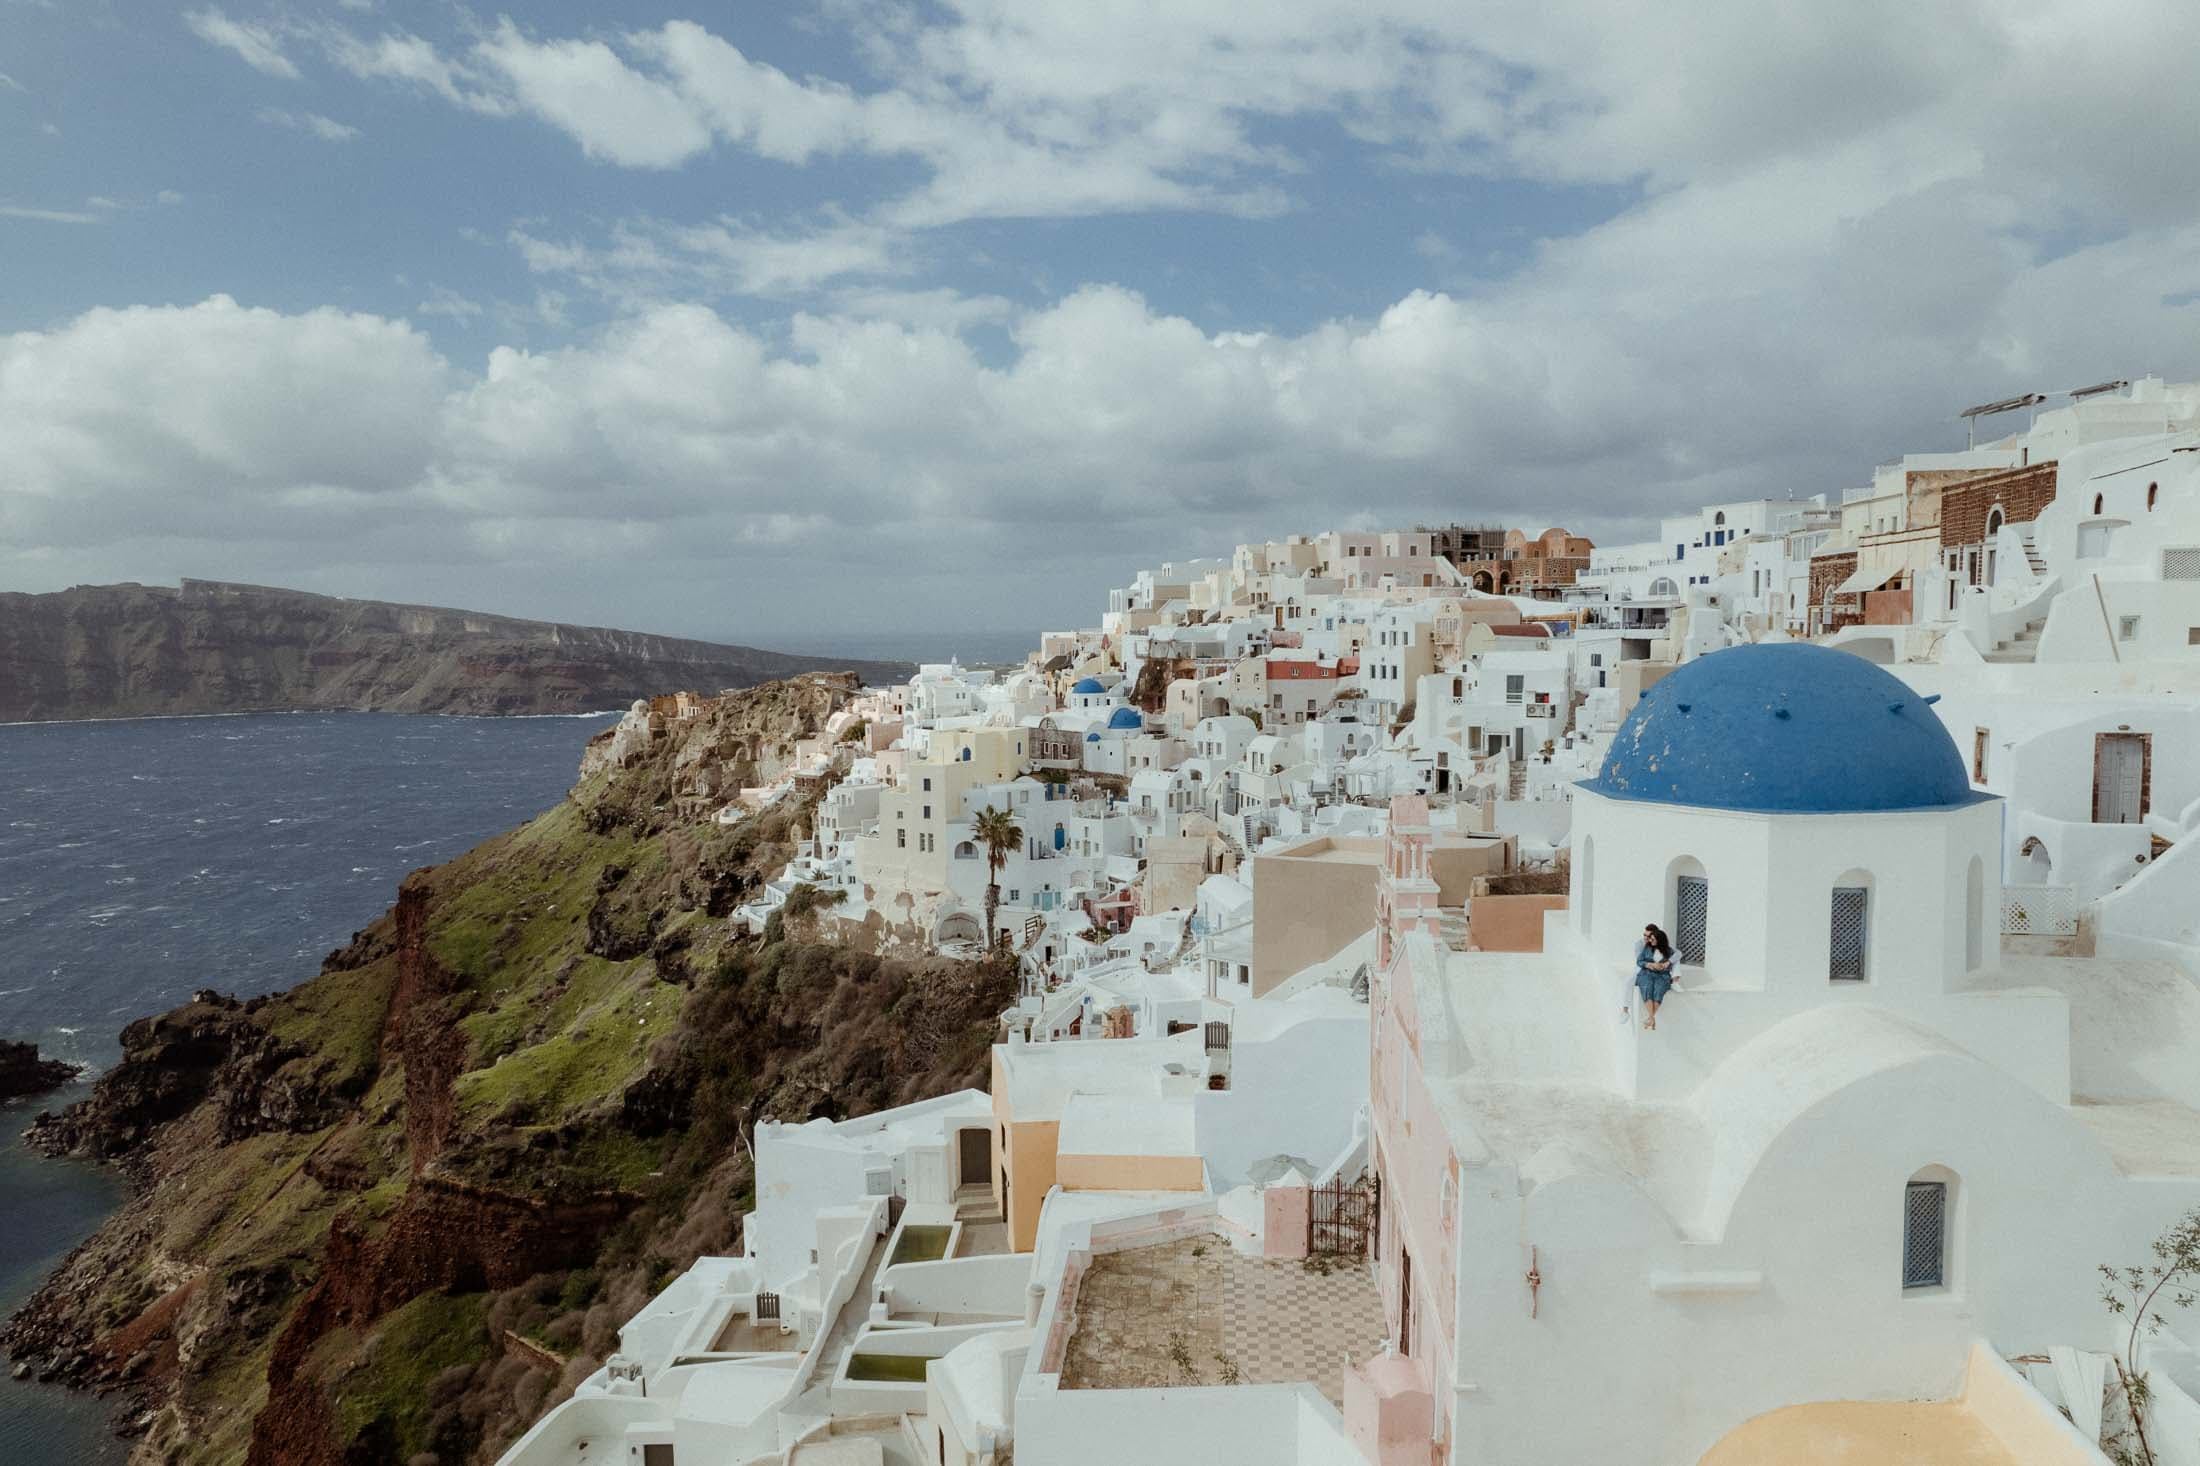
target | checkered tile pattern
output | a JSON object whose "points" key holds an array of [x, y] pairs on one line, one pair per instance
{"points": [[1278, 1322], [1284, 1323]]}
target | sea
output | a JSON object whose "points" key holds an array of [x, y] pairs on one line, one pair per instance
{"points": [[144, 859]]}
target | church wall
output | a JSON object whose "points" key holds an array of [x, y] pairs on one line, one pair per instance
{"points": [[1670, 1336]]}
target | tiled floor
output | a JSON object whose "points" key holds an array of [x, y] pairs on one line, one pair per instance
{"points": [[1139, 1312], [743, 1336], [982, 1239]]}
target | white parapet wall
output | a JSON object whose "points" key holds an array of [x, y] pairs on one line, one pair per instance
{"points": [[1273, 1425], [995, 1286]]}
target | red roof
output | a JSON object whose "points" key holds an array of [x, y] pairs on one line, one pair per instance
{"points": [[1526, 628]]}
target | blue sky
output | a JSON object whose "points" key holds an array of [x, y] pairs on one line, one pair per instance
{"points": [[774, 322]]}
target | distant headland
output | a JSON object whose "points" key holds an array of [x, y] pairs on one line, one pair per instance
{"points": [[119, 651]]}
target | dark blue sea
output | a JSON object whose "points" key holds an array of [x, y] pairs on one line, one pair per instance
{"points": [[143, 859]]}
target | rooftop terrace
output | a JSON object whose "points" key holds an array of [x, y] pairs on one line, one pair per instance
{"points": [[1143, 1311]]}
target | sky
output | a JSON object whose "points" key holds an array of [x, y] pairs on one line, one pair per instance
{"points": [[792, 322]]}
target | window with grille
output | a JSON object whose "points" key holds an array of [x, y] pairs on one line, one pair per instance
{"points": [[1851, 912], [1691, 918], [1925, 1234]]}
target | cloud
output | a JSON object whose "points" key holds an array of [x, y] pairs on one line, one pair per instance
{"points": [[650, 260], [49, 216], [676, 445], [258, 46], [583, 88], [313, 124], [10, 84], [444, 301]]}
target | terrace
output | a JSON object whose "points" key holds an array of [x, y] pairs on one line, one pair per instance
{"points": [[1193, 1311]]}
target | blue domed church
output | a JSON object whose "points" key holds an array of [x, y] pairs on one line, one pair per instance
{"points": [[1865, 1158]]}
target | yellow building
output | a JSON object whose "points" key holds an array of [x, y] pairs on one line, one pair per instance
{"points": [[1107, 1115]]}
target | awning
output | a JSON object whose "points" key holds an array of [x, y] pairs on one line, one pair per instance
{"points": [[1868, 579]]}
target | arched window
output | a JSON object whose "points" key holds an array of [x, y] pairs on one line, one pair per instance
{"points": [[1849, 942], [1974, 915], [1688, 910], [2153, 492], [2039, 861], [2097, 502], [1993, 522], [1928, 1229]]}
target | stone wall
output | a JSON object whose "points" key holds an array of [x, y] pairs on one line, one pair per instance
{"points": [[2021, 492], [1826, 572]]}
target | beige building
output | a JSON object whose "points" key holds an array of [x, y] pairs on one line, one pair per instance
{"points": [[1313, 898], [904, 861]]}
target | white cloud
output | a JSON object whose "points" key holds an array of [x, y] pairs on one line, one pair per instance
{"points": [[648, 455], [49, 216], [444, 301], [582, 87], [1825, 230], [313, 124], [258, 46], [399, 56], [648, 260], [10, 84]]}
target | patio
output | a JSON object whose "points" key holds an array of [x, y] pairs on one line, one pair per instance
{"points": [[1192, 1311]]}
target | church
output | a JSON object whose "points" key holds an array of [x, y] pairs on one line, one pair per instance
{"points": [[1867, 1157]]}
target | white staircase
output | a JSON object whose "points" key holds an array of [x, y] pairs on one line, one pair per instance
{"points": [[2032, 553], [2023, 647]]}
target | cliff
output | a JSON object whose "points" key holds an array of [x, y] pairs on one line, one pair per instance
{"points": [[394, 1213], [106, 651]]}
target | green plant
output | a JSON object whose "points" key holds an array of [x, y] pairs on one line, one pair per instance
{"points": [[1001, 836], [1180, 1354], [854, 732], [1228, 1366], [2168, 1281]]}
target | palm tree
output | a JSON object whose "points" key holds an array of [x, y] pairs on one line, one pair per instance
{"points": [[998, 831]]}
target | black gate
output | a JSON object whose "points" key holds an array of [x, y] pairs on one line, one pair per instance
{"points": [[1342, 1219]]}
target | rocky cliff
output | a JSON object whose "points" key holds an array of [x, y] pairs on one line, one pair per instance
{"points": [[394, 1213], [23, 1072], [105, 651]]}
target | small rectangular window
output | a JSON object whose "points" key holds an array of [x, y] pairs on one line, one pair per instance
{"points": [[1691, 919], [2127, 628], [1925, 1235], [1851, 911], [1978, 755]]}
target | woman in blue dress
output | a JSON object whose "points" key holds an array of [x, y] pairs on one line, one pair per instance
{"points": [[1653, 973]]}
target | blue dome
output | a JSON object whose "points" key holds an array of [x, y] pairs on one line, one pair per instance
{"points": [[1092, 738], [1784, 728], [1090, 687], [1126, 718]]}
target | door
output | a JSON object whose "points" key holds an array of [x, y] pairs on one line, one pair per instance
{"points": [[1405, 1301], [977, 1158], [2119, 778]]}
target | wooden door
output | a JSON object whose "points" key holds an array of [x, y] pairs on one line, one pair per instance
{"points": [[977, 1158], [2119, 778]]}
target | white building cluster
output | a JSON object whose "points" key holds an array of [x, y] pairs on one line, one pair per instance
{"points": [[1326, 1129]]}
